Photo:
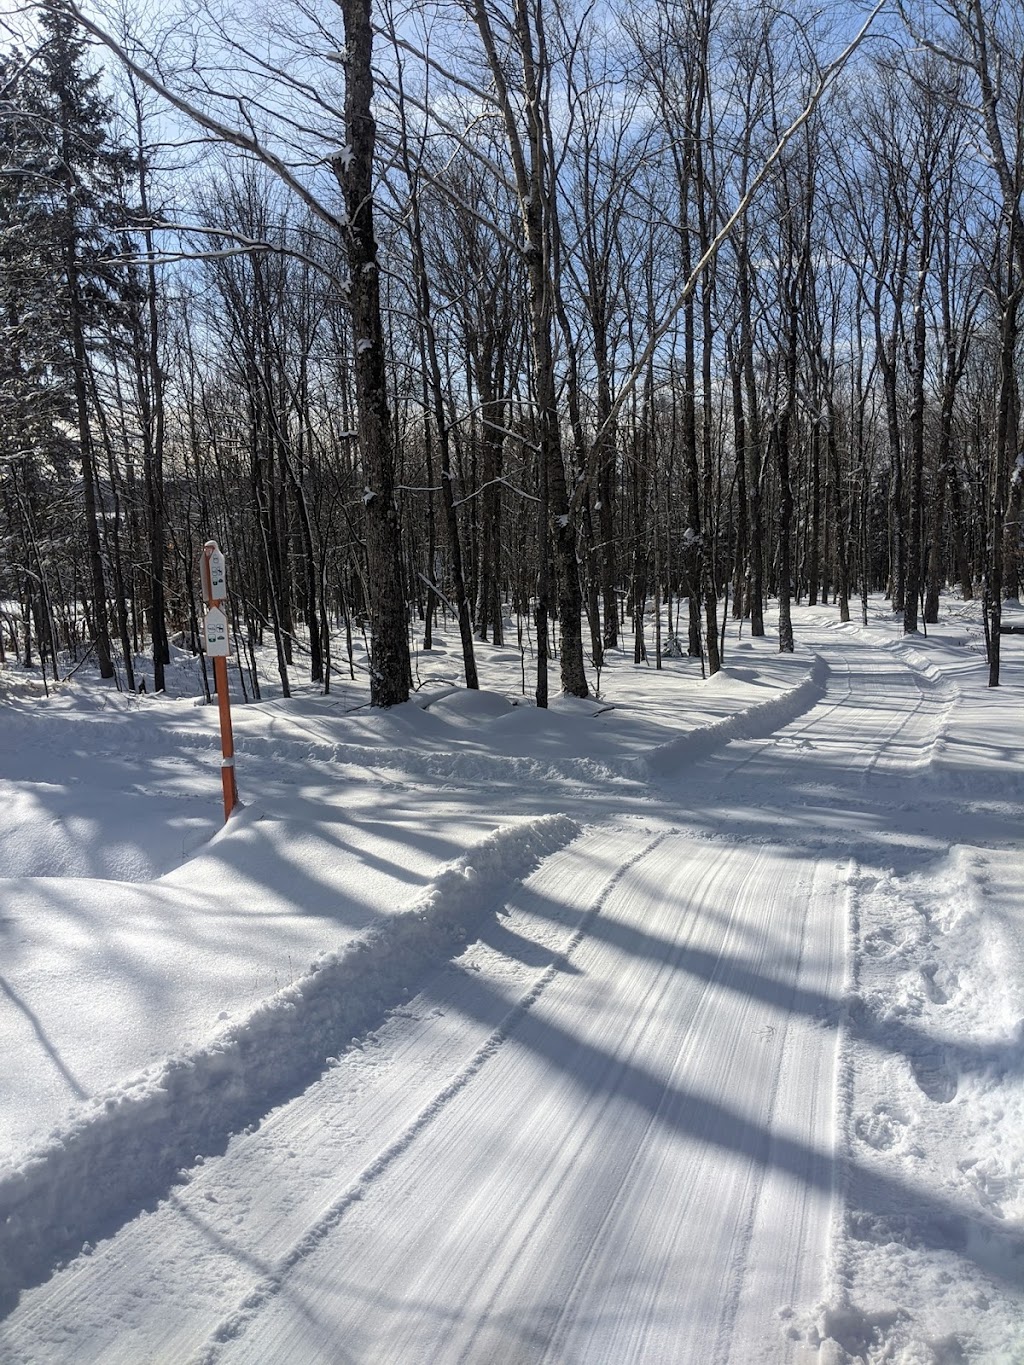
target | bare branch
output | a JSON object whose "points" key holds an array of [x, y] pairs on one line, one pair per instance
{"points": [[484, 96], [667, 323], [234, 137]]}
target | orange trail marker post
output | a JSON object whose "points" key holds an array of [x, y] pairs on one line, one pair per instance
{"points": [[213, 573]]}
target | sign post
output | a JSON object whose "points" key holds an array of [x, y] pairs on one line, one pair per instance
{"points": [[213, 573]]}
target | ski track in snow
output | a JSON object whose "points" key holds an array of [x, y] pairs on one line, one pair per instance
{"points": [[757, 1039], [129, 1143], [233, 1327]]}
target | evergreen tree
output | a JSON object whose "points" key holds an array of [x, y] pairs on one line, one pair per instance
{"points": [[61, 171]]}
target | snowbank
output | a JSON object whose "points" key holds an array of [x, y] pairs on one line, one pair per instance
{"points": [[127, 1144]]}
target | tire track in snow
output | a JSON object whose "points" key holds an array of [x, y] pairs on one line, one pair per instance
{"points": [[839, 761], [629, 1060], [263, 1293], [809, 1079], [743, 1237], [715, 1218]]}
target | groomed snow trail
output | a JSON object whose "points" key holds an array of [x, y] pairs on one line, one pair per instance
{"points": [[628, 1129], [607, 1132], [626, 1132]]}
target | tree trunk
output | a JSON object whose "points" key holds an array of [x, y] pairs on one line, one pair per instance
{"points": [[101, 629], [390, 664]]}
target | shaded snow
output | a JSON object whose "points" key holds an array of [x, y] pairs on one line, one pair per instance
{"points": [[408, 895]]}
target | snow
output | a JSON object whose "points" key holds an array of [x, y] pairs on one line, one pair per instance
{"points": [[685, 1023]]}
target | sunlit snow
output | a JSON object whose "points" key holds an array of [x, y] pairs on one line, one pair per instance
{"points": [[680, 1024]]}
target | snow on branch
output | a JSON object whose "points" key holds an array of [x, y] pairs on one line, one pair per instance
{"points": [[242, 246], [506, 483]]}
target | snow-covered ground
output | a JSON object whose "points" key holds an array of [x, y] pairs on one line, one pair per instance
{"points": [[685, 1024]]}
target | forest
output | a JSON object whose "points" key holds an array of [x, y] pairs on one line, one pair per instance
{"points": [[521, 316]]}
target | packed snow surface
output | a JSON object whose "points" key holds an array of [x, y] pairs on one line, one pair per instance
{"points": [[684, 1023]]}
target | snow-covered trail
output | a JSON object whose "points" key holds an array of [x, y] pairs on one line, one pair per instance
{"points": [[631, 1125], [618, 1128], [611, 1119]]}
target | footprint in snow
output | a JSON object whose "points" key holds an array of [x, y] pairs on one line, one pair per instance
{"points": [[884, 943], [883, 1128], [934, 1076], [939, 983], [998, 1189]]}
